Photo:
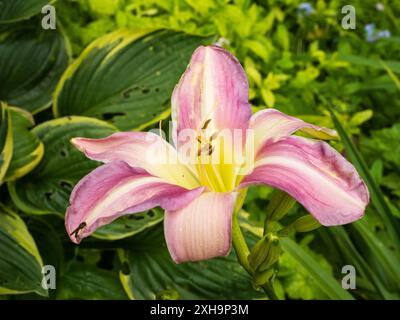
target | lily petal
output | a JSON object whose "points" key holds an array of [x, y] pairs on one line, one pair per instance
{"points": [[143, 150], [202, 229], [316, 175], [115, 189], [273, 124], [212, 94]]}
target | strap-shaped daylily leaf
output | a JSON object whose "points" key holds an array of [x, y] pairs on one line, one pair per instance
{"points": [[6, 140], [31, 62], [46, 189], [148, 272], [20, 261], [27, 148], [126, 77], [16, 10]]}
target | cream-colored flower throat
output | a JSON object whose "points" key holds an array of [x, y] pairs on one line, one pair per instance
{"points": [[221, 157], [215, 159]]}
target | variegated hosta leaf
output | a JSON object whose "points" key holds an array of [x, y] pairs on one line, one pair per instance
{"points": [[6, 140], [20, 261], [148, 272], [126, 77], [127, 226], [47, 188], [15, 10], [85, 281], [31, 62], [27, 148]]}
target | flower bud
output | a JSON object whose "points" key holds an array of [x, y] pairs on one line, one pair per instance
{"points": [[279, 205], [306, 223], [265, 253]]}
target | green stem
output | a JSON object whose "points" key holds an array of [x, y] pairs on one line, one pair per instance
{"points": [[240, 245], [242, 252], [269, 291]]}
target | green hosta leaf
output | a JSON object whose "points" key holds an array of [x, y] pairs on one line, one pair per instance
{"points": [[20, 262], [15, 10], [148, 272], [127, 226], [31, 62], [27, 148], [86, 281], [126, 77], [47, 188], [48, 241], [6, 140]]}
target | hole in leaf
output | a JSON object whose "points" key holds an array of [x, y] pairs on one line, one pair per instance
{"points": [[127, 93], [157, 89], [136, 217], [151, 214], [63, 153], [125, 269], [110, 115], [48, 195], [106, 260], [145, 90], [66, 185]]}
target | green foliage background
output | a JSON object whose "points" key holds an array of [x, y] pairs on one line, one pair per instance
{"points": [[111, 65]]}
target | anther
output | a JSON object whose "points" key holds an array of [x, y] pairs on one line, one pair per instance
{"points": [[213, 136], [206, 124]]}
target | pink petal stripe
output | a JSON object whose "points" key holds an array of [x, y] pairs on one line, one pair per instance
{"points": [[316, 175], [202, 229], [213, 90], [115, 189], [272, 124], [143, 150]]}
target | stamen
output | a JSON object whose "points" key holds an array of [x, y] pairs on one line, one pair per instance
{"points": [[213, 136], [211, 150], [160, 127], [199, 139], [206, 124], [207, 147]]}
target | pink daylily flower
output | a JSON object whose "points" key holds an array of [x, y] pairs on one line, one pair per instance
{"points": [[199, 198]]}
